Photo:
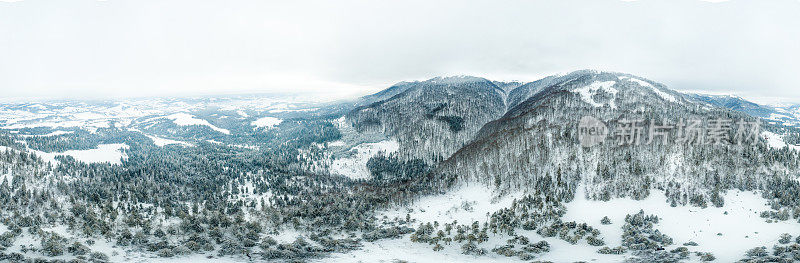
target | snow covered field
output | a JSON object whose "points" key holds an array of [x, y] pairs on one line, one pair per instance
{"points": [[114, 252], [164, 142], [266, 122], [742, 228], [727, 232], [776, 141], [93, 115], [587, 93], [184, 119], [161, 142], [109, 153], [658, 92], [355, 166], [466, 204]]}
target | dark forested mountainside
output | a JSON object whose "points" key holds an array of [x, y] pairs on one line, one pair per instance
{"points": [[781, 115], [735, 103], [535, 146], [434, 118]]}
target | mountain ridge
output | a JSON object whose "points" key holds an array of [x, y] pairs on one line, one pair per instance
{"points": [[532, 144]]}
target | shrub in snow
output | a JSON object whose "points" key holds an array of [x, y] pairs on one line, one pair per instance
{"points": [[98, 257], [78, 249], [595, 241], [705, 257], [785, 238], [267, 242], [125, 238], [231, 247], [7, 239], [166, 253], [198, 243], [682, 251], [790, 253], [438, 247], [518, 240], [385, 233], [537, 248], [546, 231], [159, 233], [639, 233], [158, 246], [614, 251], [12, 257], [181, 250], [53, 244], [757, 252], [471, 249], [507, 250]]}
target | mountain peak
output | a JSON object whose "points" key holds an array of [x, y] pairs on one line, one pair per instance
{"points": [[457, 79]]}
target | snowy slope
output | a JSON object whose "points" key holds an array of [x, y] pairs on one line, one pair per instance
{"points": [[588, 93], [355, 165], [776, 141], [104, 153], [266, 122], [738, 222], [742, 228], [184, 119]]}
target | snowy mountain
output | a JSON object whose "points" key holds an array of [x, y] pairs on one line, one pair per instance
{"points": [[447, 169], [537, 140], [431, 119], [736, 103], [784, 115], [533, 149]]}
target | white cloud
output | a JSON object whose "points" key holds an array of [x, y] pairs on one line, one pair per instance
{"points": [[127, 48]]}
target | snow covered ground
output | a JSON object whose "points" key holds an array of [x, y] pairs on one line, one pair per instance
{"points": [[161, 142], [288, 107], [394, 250], [54, 133], [355, 165], [776, 141], [164, 142], [114, 252], [185, 119], [658, 92], [94, 115], [466, 204], [738, 222], [266, 122], [587, 93], [742, 228], [110, 153]]}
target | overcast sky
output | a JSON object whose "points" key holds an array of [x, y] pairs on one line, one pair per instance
{"points": [[128, 48]]}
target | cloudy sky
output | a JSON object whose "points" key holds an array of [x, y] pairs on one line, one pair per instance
{"points": [[114, 48]]}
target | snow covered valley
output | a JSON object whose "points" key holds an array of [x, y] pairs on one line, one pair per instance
{"points": [[727, 232]]}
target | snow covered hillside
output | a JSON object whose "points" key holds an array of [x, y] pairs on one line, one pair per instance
{"points": [[354, 166], [727, 232], [460, 169]]}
